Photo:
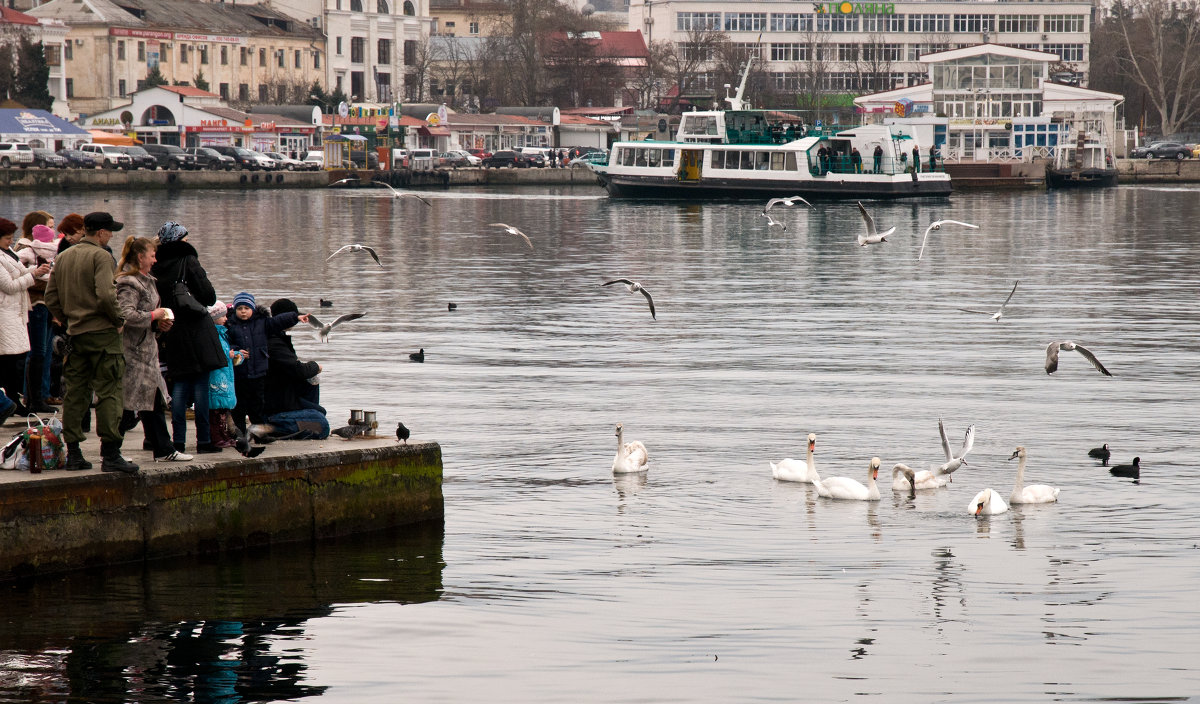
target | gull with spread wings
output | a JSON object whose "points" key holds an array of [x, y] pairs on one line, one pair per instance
{"points": [[1000, 313], [771, 222], [400, 194], [1052, 356], [937, 225], [634, 287], [357, 248], [789, 201], [873, 235], [512, 231], [323, 329]]}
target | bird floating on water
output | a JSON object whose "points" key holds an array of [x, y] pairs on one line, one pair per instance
{"points": [[512, 231], [451, 306], [1128, 470], [849, 489], [631, 457], [937, 225], [873, 236], [790, 470], [323, 330], [401, 194], [1052, 356], [987, 503], [1000, 313], [357, 248], [418, 356], [1034, 493], [1100, 453], [789, 201], [326, 304], [635, 287]]}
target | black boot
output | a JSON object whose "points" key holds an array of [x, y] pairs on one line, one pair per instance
{"points": [[206, 448], [75, 461], [112, 461]]}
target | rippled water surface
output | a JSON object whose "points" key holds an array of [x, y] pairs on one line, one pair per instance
{"points": [[705, 579]]}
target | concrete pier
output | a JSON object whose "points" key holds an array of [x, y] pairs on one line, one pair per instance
{"points": [[296, 490]]}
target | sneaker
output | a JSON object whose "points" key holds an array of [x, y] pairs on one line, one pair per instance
{"points": [[117, 463], [175, 456]]}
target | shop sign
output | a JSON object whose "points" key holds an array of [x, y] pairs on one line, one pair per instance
{"points": [[140, 33], [35, 124], [105, 122]]}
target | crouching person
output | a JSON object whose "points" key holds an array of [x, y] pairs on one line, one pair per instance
{"points": [[292, 400]]}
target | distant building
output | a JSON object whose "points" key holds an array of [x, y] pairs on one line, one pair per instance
{"points": [[52, 34]]}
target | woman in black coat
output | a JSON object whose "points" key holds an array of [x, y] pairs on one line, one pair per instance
{"points": [[192, 348]]}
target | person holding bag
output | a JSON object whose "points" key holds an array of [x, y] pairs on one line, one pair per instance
{"points": [[191, 348]]}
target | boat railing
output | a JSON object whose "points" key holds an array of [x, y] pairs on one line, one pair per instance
{"points": [[844, 164], [770, 135]]}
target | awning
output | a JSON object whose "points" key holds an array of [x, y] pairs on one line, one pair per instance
{"points": [[33, 123], [113, 138], [433, 131], [345, 138]]}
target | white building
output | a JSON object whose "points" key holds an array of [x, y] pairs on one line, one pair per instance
{"points": [[52, 34]]}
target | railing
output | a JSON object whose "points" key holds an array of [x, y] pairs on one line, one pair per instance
{"points": [[998, 155], [840, 164]]}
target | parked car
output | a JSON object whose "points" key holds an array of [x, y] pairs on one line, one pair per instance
{"points": [[315, 160], [242, 158], [453, 157], [107, 156], [211, 159], [170, 156], [265, 162], [507, 157], [77, 159], [481, 153], [286, 162], [15, 154], [1161, 150], [423, 159], [538, 156], [140, 158], [47, 159]]}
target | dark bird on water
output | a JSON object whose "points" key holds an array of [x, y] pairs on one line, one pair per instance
{"points": [[402, 433], [451, 306], [1127, 470], [418, 356], [1100, 453], [326, 304]]}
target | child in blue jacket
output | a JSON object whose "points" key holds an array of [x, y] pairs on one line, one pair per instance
{"points": [[249, 331], [221, 397]]}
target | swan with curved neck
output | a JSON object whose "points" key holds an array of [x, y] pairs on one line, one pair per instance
{"points": [[1034, 493], [849, 489], [631, 457], [790, 470], [987, 503], [905, 478]]}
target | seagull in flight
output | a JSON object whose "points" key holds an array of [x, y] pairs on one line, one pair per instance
{"points": [[635, 287], [512, 231], [937, 225], [401, 194], [953, 461], [789, 201], [873, 236], [771, 221], [1000, 313], [322, 329], [352, 179], [1052, 356], [357, 248]]}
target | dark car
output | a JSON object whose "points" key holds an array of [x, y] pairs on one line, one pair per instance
{"points": [[453, 160], [506, 157], [142, 159], [1161, 150], [47, 159], [242, 158], [77, 159], [211, 159], [170, 156]]}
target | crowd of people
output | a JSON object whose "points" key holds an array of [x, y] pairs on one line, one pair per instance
{"points": [[142, 334]]}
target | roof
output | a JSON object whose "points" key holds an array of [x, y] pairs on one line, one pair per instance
{"points": [[10, 16], [627, 110], [1060, 91], [179, 15], [922, 92], [21, 121], [582, 121], [988, 48], [615, 45], [189, 91], [462, 118]]}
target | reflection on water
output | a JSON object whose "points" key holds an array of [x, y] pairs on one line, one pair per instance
{"points": [[704, 579]]}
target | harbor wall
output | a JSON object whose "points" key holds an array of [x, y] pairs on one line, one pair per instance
{"points": [[1158, 170]]}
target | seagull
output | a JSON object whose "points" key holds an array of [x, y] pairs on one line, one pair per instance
{"points": [[1052, 356], [953, 461], [771, 221], [1000, 313], [873, 236], [417, 356], [789, 201], [634, 287], [402, 433], [352, 179], [512, 231], [401, 194], [323, 330], [937, 225], [357, 248]]}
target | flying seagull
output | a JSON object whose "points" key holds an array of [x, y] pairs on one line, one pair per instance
{"points": [[634, 287], [512, 231], [953, 461], [771, 221], [401, 194], [1052, 356], [357, 248], [937, 225], [873, 236], [789, 201], [323, 330], [352, 179], [1000, 313]]}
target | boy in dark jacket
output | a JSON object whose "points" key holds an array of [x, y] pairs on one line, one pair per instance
{"points": [[249, 331]]}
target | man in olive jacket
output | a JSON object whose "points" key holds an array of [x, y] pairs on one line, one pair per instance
{"points": [[82, 293]]}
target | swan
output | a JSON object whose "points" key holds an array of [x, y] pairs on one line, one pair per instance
{"points": [[631, 457], [953, 461], [850, 489], [987, 503], [1034, 493], [904, 478], [790, 470]]}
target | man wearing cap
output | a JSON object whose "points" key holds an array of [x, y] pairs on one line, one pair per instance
{"points": [[82, 293]]}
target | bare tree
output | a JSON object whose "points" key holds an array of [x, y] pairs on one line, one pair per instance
{"points": [[1160, 51], [873, 66], [578, 73], [419, 58], [687, 59], [813, 75]]}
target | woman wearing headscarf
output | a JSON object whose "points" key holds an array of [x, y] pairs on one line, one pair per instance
{"points": [[191, 348], [15, 281]]}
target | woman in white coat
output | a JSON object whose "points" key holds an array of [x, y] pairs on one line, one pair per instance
{"points": [[15, 280]]}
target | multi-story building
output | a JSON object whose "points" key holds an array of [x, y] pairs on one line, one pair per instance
{"points": [[246, 54], [52, 35], [858, 47]]}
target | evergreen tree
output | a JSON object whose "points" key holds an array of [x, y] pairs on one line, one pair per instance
{"points": [[199, 80], [318, 97], [154, 77], [8, 71], [31, 86]]}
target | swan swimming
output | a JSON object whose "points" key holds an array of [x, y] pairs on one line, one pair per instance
{"points": [[987, 503], [905, 479], [1034, 493], [849, 489], [631, 457], [790, 470]]}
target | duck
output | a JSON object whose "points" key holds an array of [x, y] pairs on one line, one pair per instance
{"points": [[1034, 493], [418, 356], [905, 479], [1128, 470], [631, 457], [1100, 453], [790, 470], [986, 503], [849, 489]]}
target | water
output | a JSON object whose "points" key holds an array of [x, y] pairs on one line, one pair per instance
{"points": [[704, 580]]}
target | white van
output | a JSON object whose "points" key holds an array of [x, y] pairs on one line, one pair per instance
{"points": [[108, 156], [423, 159]]}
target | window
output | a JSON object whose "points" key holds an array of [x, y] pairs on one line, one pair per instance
{"points": [[244, 92], [281, 94], [68, 51], [837, 23], [1066, 52], [974, 23], [745, 21], [847, 52], [883, 23], [184, 50], [53, 54], [881, 52], [409, 9], [748, 50], [1063, 23], [785, 81], [384, 83], [473, 27], [141, 51], [338, 46], [697, 21], [70, 87], [788, 52], [224, 91], [357, 49], [224, 56], [937, 24], [916, 51], [1018, 23], [121, 51], [262, 94], [279, 60], [296, 59], [356, 6], [696, 52], [382, 7], [204, 54], [245, 56], [316, 59], [785, 22], [410, 52], [121, 87], [385, 51]]}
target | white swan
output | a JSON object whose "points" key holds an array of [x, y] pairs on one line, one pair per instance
{"points": [[850, 489], [790, 470], [1034, 493], [631, 457], [903, 479], [953, 461], [986, 503]]}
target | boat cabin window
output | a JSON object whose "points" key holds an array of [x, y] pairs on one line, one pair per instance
{"points": [[645, 156], [753, 160], [698, 126]]}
